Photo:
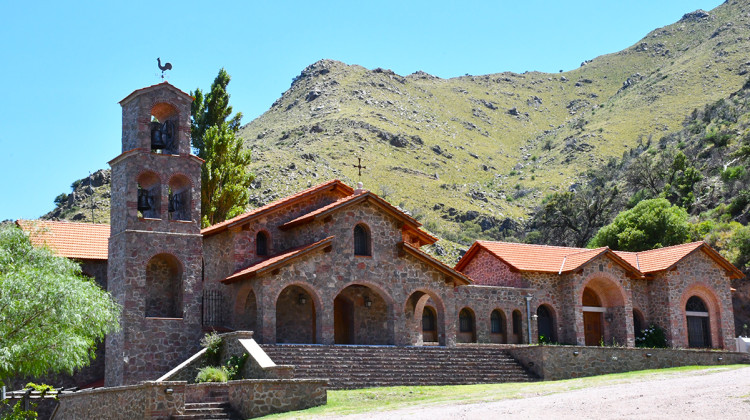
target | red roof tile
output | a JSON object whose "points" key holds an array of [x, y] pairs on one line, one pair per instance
{"points": [[276, 260], [557, 259], [332, 184], [84, 241]]}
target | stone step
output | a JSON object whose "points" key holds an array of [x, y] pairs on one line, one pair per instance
{"points": [[367, 366], [207, 411]]}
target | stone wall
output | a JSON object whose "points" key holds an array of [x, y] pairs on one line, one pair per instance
{"points": [[488, 270], [144, 401], [564, 362], [482, 300]]}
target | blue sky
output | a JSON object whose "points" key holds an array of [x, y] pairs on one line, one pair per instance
{"points": [[65, 65]]}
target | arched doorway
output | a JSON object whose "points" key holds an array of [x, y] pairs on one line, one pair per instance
{"points": [[467, 332], [295, 316], [592, 317], [699, 332], [361, 316], [498, 330], [517, 327], [414, 313], [429, 325], [639, 322], [545, 325]]}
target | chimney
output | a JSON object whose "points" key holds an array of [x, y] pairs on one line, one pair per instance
{"points": [[360, 188]]}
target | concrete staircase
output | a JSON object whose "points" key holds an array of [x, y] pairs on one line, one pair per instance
{"points": [[348, 367]]}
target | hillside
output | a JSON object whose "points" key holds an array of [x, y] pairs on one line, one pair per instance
{"points": [[488, 148], [485, 149]]}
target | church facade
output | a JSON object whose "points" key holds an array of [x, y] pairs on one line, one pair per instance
{"points": [[337, 265]]}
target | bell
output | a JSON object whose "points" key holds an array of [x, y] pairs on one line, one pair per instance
{"points": [[171, 203], [157, 140], [143, 200]]}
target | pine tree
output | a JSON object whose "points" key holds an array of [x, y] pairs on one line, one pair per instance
{"points": [[224, 176]]}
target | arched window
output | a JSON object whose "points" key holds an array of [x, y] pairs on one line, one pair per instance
{"points": [[517, 322], [699, 333], [361, 240], [496, 321], [465, 321], [261, 244], [164, 129]]}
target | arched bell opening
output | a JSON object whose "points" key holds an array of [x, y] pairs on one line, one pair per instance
{"points": [[414, 313], [467, 331], [164, 287], [546, 325], [498, 327], [180, 198], [295, 316], [148, 196], [164, 135], [361, 315]]}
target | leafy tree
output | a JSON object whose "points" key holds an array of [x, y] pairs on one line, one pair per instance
{"points": [[210, 110], [224, 176], [51, 316], [650, 224]]}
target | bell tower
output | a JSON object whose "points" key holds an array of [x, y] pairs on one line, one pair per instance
{"points": [[155, 244]]}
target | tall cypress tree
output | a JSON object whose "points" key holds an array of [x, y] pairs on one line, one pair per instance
{"points": [[225, 177]]}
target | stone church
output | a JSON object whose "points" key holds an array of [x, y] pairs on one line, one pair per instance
{"points": [[339, 265]]}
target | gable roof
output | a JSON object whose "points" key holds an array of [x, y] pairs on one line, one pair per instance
{"points": [[83, 241], [558, 259], [332, 185], [153, 87], [663, 259], [430, 260], [276, 261], [359, 197], [542, 258]]}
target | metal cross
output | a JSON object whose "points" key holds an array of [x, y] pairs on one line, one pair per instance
{"points": [[359, 166]]}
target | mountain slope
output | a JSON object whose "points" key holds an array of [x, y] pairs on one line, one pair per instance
{"points": [[488, 148]]}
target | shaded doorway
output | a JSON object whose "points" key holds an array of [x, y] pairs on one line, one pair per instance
{"points": [[545, 325], [466, 327], [343, 319], [699, 333], [295, 316], [592, 318], [497, 327], [429, 325]]}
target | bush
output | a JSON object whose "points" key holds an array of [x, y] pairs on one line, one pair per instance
{"points": [[234, 366], [653, 336], [212, 343], [212, 374]]}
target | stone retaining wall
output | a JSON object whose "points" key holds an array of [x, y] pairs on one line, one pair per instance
{"points": [[154, 401], [565, 362]]}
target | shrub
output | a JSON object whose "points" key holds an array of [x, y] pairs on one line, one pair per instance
{"points": [[234, 366], [212, 374], [212, 343], [653, 336]]}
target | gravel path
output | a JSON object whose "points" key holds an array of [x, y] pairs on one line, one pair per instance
{"points": [[723, 394]]}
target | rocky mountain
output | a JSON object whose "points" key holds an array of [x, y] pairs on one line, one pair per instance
{"points": [[473, 156]]}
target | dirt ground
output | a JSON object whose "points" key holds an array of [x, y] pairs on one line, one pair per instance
{"points": [[686, 395]]}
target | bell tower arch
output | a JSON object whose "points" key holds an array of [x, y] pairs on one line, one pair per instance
{"points": [[155, 244]]}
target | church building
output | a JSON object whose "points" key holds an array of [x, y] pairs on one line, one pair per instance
{"points": [[335, 264]]}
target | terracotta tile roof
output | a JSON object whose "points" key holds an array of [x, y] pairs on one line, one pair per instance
{"points": [[277, 260], [332, 184], [358, 197], [557, 259], [167, 84], [461, 277], [84, 241]]}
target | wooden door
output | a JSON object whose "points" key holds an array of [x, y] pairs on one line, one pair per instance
{"points": [[699, 335], [592, 326], [342, 321]]}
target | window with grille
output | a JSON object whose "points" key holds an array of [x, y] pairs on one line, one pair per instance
{"points": [[496, 321], [361, 240]]}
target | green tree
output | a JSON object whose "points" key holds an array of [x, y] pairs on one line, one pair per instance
{"points": [[224, 176], [51, 316], [210, 110], [650, 224]]}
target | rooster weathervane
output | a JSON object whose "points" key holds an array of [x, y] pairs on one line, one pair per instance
{"points": [[165, 67]]}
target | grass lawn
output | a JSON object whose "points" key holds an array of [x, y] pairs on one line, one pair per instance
{"points": [[391, 398]]}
